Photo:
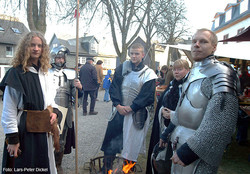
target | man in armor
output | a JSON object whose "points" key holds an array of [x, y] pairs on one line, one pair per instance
{"points": [[206, 114], [131, 91], [64, 84]]}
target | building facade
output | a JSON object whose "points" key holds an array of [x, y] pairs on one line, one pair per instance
{"points": [[11, 31], [234, 20], [88, 47]]}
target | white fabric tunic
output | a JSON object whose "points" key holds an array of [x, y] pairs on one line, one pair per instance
{"points": [[133, 138]]}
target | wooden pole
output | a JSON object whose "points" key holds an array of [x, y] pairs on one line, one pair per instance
{"points": [[76, 98]]}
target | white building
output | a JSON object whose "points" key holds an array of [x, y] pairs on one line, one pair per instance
{"points": [[234, 19]]}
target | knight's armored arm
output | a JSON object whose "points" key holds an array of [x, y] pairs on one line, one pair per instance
{"points": [[217, 83], [186, 155], [214, 133], [219, 121]]}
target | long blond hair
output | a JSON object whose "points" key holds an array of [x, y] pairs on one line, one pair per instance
{"points": [[22, 54]]}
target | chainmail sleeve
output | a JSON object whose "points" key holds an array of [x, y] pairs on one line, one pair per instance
{"points": [[216, 128]]}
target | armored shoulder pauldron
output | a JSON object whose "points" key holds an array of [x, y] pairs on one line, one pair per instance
{"points": [[223, 77]]}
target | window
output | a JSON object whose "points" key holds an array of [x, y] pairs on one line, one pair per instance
{"points": [[72, 42], [9, 51], [82, 60], [6, 69], [16, 30], [225, 37], [243, 6], [3, 70], [106, 62], [240, 30], [93, 47], [216, 22], [228, 15], [1, 29], [55, 45]]}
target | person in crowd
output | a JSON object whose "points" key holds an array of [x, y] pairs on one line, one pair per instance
{"points": [[244, 79], [162, 76], [242, 124], [106, 84], [131, 91], [29, 146], [166, 106], [169, 76], [64, 85], [158, 71], [206, 113], [80, 95], [99, 71], [88, 79]]}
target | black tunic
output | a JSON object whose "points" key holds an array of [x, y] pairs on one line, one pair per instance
{"points": [[34, 146]]}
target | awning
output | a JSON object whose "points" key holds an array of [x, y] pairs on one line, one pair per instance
{"points": [[243, 36], [235, 51]]}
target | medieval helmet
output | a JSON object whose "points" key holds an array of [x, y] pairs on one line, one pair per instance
{"points": [[59, 51]]}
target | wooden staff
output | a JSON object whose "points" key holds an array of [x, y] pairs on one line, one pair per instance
{"points": [[76, 98]]}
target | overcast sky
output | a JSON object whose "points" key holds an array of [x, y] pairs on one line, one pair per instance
{"points": [[200, 14]]}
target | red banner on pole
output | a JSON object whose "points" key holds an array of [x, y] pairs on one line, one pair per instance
{"points": [[76, 13]]}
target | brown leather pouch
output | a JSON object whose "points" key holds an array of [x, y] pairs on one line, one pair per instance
{"points": [[38, 121]]}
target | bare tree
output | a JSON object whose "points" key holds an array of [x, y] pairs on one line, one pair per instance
{"points": [[123, 22], [120, 16], [36, 15], [37, 10], [150, 25], [68, 8], [171, 24], [164, 19], [125, 18]]}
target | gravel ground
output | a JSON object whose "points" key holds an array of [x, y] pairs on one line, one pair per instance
{"points": [[91, 130]]}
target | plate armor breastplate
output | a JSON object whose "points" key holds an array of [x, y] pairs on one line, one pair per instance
{"points": [[62, 88], [131, 86], [193, 105]]}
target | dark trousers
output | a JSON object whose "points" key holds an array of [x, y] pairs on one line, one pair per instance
{"points": [[112, 143], [97, 89], [92, 102]]}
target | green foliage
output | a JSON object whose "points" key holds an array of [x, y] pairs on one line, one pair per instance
{"points": [[235, 159]]}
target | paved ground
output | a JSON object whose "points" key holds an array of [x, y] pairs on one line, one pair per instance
{"points": [[91, 130]]}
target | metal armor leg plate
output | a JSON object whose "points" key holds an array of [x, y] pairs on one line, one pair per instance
{"points": [[182, 134]]}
